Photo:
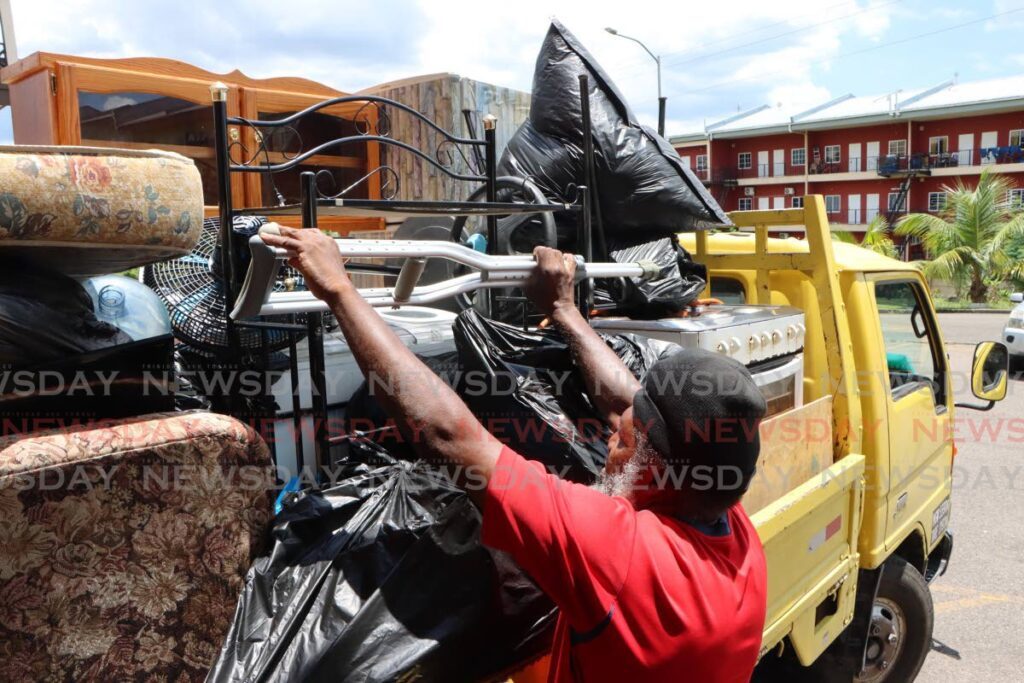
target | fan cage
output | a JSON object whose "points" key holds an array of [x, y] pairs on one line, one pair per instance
{"points": [[193, 292]]}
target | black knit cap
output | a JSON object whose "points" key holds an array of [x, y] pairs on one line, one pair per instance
{"points": [[697, 407]]}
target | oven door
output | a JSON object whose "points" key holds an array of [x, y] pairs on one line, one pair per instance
{"points": [[781, 382]]}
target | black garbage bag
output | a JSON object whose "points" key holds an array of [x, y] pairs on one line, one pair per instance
{"points": [[641, 181], [382, 577], [526, 389], [524, 386], [46, 316], [680, 281]]}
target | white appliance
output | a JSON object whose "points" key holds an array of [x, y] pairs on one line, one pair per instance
{"points": [[769, 340], [425, 330]]}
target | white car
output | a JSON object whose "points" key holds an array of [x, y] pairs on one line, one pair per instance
{"points": [[1013, 333]]}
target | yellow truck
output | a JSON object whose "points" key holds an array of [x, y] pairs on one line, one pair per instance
{"points": [[852, 547]]}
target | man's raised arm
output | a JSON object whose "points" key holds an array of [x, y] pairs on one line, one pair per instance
{"points": [[444, 429], [609, 382]]}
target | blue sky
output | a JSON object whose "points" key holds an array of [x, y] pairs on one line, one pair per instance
{"points": [[718, 57]]}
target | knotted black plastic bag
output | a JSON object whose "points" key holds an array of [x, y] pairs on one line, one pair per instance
{"points": [[526, 389], [679, 281], [382, 577], [642, 184]]}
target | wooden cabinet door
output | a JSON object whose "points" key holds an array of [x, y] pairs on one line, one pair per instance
{"points": [[101, 107]]}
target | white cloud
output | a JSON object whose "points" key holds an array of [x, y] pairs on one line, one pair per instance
{"points": [[1010, 18], [716, 55]]}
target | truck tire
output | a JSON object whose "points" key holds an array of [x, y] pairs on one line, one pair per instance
{"points": [[900, 633]]}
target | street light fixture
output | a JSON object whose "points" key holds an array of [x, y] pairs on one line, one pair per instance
{"points": [[657, 60]]}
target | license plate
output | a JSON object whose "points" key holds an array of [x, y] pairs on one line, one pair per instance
{"points": [[940, 519]]}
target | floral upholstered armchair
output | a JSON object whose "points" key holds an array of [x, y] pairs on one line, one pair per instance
{"points": [[123, 548]]}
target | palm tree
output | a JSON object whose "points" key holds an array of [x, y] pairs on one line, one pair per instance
{"points": [[967, 242], [877, 237]]}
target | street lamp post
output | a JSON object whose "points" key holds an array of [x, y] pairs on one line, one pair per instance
{"points": [[657, 61]]}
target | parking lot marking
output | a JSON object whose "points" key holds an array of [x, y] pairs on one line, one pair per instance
{"points": [[969, 598]]}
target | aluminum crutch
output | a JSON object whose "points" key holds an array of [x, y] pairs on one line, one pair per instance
{"points": [[257, 296]]}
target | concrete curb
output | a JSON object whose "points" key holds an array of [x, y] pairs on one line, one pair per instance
{"points": [[1006, 311]]}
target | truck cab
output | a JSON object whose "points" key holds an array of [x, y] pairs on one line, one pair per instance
{"points": [[852, 549]]}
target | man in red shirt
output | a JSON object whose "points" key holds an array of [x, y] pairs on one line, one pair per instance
{"points": [[657, 571]]}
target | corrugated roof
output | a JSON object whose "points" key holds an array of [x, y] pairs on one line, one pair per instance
{"points": [[947, 98]]}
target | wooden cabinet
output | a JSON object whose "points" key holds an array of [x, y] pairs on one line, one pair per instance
{"points": [[149, 103]]}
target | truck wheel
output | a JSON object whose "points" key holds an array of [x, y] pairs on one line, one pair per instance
{"points": [[900, 634]]}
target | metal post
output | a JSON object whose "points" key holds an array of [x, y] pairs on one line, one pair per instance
{"points": [[491, 171], [293, 374], [585, 288], [657, 62], [219, 94], [590, 171], [229, 268], [315, 339]]}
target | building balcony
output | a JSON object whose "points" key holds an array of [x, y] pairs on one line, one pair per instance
{"points": [[718, 176], [1010, 158]]}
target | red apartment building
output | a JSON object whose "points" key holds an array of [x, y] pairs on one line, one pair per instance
{"points": [[867, 155]]}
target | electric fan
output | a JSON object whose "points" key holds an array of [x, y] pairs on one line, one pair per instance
{"points": [[192, 288]]}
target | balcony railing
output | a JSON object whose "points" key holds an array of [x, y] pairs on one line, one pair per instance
{"points": [[1011, 154], [819, 167], [886, 164]]}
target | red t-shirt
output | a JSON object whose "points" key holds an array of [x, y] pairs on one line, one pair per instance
{"points": [[642, 596]]}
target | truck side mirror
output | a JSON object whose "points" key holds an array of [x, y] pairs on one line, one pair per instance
{"points": [[1017, 297], [990, 374]]}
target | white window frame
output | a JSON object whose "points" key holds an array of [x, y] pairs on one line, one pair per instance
{"points": [[900, 148], [1015, 197], [935, 149], [749, 159], [833, 203], [793, 158], [797, 202], [838, 155], [889, 201], [702, 162], [934, 204], [1020, 137], [745, 204]]}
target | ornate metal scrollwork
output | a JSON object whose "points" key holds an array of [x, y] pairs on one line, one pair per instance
{"points": [[389, 184], [444, 155], [264, 144], [362, 122]]}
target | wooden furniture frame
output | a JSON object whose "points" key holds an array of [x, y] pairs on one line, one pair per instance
{"points": [[45, 90]]}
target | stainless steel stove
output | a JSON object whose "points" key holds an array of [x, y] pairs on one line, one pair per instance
{"points": [[767, 339], [749, 334]]}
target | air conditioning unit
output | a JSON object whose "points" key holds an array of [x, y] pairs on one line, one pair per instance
{"points": [[748, 192], [788, 191]]}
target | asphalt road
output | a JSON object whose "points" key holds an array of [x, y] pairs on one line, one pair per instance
{"points": [[979, 603]]}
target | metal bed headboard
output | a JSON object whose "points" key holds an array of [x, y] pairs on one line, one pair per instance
{"points": [[313, 202]]}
